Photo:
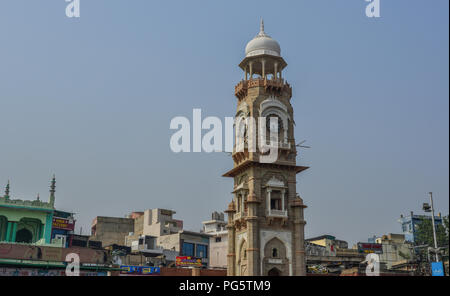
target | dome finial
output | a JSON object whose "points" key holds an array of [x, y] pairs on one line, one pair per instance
{"points": [[261, 26]]}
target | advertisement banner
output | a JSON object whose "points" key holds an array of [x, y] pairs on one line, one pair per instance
{"points": [[186, 261], [368, 248], [139, 270], [61, 223]]}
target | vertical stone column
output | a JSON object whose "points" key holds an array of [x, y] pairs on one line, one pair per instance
{"points": [[298, 241], [251, 69], [14, 231], [253, 252], [231, 256], [263, 71], [8, 231], [275, 71]]}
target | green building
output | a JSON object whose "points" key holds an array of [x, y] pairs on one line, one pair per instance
{"points": [[26, 221]]}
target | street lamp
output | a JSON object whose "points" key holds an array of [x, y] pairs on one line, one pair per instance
{"points": [[430, 208]]}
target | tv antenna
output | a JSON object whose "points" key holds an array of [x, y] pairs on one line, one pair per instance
{"points": [[300, 145]]}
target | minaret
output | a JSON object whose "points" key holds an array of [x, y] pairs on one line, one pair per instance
{"points": [[265, 217], [52, 191], [7, 191]]}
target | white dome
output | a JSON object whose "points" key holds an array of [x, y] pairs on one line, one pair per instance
{"points": [[262, 44]]}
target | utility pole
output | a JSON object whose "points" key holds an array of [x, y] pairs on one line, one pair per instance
{"points": [[430, 208], [434, 226]]}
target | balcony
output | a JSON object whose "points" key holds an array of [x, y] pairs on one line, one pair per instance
{"points": [[277, 213], [272, 85]]}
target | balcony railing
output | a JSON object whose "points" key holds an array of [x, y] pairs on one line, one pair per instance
{"points": [[277, 213], [273, 84]]}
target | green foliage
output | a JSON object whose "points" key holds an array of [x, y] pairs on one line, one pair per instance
{"points": [[424, 233]]}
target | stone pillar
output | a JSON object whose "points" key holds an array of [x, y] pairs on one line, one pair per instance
{"points": [[8, 232], [263, 71], [251, 69], [275, 71], [253, 251], [231, 256], [298, 241], [14, 231], [269, 191]]}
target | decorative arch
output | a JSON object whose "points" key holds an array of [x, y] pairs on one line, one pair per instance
{"points": [[242, 257], [34, 226], [277, 245], [24, 236], [267, 243], [271, 176], [274, 107]]}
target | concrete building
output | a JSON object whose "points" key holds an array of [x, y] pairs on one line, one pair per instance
{"points": [[218, 240], [187, 243], [395, 249], [327, 255], [156, 222], [265, 217], [330, 243], [152, 223], [111, 230], [411, 222]]}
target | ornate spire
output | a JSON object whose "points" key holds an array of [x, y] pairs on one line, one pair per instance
{"points": [[7, 190], [38, 198], [261, 30], [52, 190]]}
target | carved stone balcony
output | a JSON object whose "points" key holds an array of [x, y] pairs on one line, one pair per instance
{"points": [[276, 86], [277, 213]]}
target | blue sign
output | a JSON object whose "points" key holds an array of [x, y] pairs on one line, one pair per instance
{"points": [[139, 270], [437, 269]]}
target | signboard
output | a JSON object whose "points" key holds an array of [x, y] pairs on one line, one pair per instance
{"points": [[61, 223], [437, 269], [369, 248], [139, 270], [188, 261]]}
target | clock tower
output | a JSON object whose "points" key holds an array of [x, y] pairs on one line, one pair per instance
{"points": [[265, 217]]}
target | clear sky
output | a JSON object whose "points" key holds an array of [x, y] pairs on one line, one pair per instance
{"points": [[91, 99]]}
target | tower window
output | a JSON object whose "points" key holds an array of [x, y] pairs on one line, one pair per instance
{"points": [[274, 253], [275, 200]]}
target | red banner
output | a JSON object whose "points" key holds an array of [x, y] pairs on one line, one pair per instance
{"points": [[61, 223]]}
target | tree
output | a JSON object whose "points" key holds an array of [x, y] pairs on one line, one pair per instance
{"points": [[424, 233]]}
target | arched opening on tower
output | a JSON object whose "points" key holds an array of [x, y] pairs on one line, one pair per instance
{"points": [[24, 236], [274, 272]]}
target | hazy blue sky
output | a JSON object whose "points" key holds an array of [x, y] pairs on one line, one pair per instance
{"points": [[91, 100]]}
